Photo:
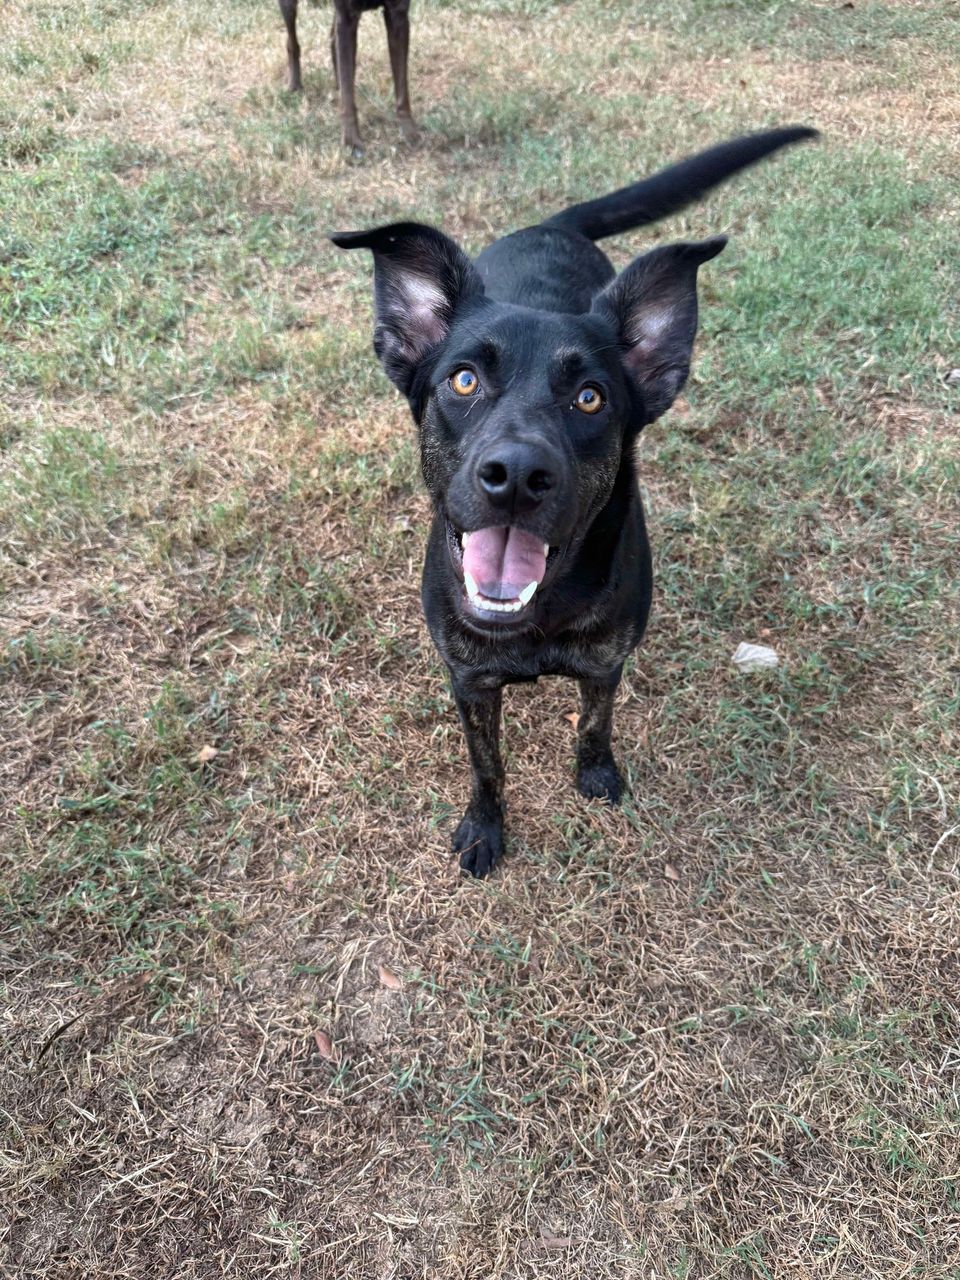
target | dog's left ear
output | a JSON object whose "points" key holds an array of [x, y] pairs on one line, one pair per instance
{"points": [[420, 278], [653, 305]]}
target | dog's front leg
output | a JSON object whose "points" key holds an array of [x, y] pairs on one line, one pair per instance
{"points": [[344, 47], [598, 777], [479, 837], [288, 9], [397, 20]]}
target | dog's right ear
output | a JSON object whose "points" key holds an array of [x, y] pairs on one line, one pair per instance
{"points": [[420, 278]]}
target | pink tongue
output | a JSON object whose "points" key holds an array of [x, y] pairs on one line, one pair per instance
{"points": [[504, 561]]}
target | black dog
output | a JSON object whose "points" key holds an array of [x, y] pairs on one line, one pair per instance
{"points": [[530, 373], [343, 50]]}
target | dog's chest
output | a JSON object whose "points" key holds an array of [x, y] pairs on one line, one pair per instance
{"points": [[518, 662]]}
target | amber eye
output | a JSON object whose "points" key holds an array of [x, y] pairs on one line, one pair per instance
{"points": [[465, 382], [589, 400]]}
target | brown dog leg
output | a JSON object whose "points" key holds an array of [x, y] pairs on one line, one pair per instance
{"points": [[288, 9], [345, 25], [397, 21]]}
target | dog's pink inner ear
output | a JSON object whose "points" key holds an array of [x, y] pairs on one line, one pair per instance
{"points": [[647, 330], [420, 278], [653, 303], [426, 312]]}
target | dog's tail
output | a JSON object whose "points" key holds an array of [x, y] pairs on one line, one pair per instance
{"points": [[674, 188]]}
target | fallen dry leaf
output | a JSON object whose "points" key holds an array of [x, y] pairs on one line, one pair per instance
{"points": [[388, 978], [325, 1046], [573, 717], [206, 754], [670, 871]]}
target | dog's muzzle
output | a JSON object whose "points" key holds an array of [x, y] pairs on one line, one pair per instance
{"points": [[502, 567], [504, 506]]}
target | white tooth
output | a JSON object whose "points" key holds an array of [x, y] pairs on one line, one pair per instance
{"points": [[546, 548], [463, 540], [526, 595], [472, 588]]}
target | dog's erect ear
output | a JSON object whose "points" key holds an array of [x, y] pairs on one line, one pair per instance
{"points": [[420, 278], [653, 304]]}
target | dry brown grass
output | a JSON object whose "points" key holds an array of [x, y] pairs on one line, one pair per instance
{"points": [[851, 100]]}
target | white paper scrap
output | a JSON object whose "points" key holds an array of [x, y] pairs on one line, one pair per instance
{"points": [[755, 657]]}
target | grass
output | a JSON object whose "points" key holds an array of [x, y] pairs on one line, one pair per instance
{"points": [[252, 1020]]}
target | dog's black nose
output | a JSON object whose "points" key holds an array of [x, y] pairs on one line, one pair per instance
{"points": [[517, 475]]}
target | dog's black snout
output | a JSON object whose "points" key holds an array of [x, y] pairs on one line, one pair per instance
{"points": [[517, 475], [493, 476]]}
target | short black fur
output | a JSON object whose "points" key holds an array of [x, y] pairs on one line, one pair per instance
{"points": [[530, 373]]}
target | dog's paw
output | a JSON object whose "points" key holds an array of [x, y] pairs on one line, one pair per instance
{"points": [[600, 782], [479, 845]]}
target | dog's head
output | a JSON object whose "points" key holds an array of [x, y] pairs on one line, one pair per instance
{"points": [[524, 416]]}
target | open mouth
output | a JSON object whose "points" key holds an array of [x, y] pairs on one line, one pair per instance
{"points": [[502, 568]]}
